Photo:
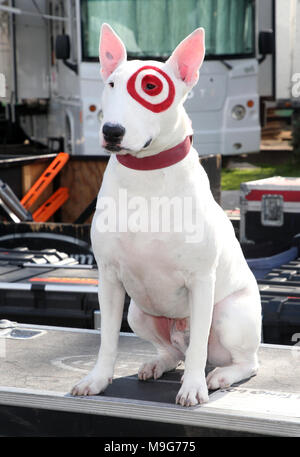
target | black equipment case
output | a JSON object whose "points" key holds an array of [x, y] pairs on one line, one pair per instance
{"points": [[280, 296], [269, 209], [49, 287]]}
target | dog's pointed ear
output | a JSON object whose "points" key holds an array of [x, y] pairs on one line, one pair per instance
{"points": [[187, 58], [112, 51]]}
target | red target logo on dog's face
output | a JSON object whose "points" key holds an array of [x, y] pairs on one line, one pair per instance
{"points": [[152, 88]]}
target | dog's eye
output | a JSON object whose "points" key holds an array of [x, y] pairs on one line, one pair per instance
{"points": [[150, 86], [111, 84]]}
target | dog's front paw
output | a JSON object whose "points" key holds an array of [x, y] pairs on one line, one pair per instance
{"points": [[91, 385], [193, 391]]}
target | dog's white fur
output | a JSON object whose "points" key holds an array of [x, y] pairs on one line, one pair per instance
{"points": [[207, 285]]}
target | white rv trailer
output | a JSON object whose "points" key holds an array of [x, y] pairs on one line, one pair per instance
{"points": [[287, 68], [225, 105]]}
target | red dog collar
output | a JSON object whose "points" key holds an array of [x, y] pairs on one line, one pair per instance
{"points": [[161, 160]]}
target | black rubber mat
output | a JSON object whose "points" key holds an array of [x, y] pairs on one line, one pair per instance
{"points": [[163, 390]]}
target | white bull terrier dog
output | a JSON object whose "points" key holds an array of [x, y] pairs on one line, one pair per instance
{"points": [[192, 293]]}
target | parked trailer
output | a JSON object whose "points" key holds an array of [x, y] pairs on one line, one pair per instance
{"points": [[287, 77], [61, 97]]}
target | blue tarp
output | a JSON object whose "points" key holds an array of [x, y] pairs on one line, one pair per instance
{"points": [[261, 266]]}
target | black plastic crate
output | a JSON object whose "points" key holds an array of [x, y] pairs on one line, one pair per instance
{"points": [[49, 288], [280, 297], [287, 275], [281, 319]]}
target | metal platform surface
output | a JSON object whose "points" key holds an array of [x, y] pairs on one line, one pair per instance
{"points": [[38, 372]]}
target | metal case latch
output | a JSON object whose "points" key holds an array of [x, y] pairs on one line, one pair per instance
{"points": [[272, 210]]}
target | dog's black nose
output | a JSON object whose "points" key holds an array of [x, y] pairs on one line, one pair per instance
{"points": [[113, 132]]}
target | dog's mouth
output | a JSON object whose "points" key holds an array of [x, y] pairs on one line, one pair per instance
{"points": [[113, 147]]}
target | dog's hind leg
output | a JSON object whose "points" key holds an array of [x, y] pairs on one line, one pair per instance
{"points": [[234, 340], [158, 331]]}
